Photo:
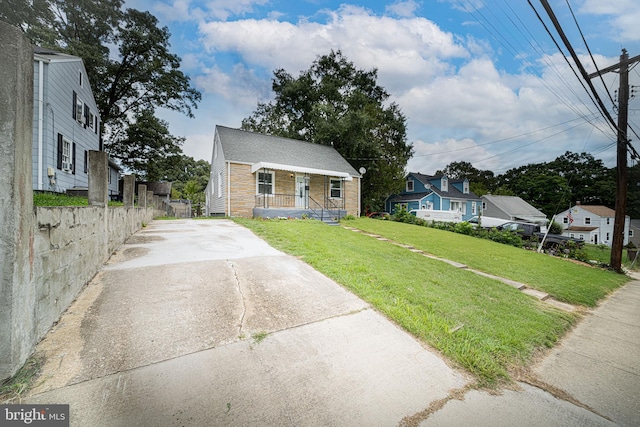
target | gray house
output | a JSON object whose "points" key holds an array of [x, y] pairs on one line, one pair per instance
{"points": [[256, 175], [66, 124], [511, 208]]}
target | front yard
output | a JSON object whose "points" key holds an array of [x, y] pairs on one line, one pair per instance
{"points": [[480, 324]]}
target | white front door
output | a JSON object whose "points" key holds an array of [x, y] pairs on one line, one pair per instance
{"points": [[301, 192]]}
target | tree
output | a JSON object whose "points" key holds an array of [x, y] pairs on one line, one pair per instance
{"points": [[534, 183], [480, 181], [147, 146], [588, 178], [126, 55], [334, 103]]}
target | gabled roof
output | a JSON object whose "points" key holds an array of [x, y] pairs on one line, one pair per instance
{"points": [[274, 152], [453, 192], [514, 206], [601, 211]]}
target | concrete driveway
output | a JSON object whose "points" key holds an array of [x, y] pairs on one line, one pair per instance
{"points": [[202, 323]]}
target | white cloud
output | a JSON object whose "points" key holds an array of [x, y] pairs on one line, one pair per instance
{"points": [[403, 9], [622, 17]]}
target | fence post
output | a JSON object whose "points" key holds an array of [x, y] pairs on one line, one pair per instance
{"points": [[142, 195], [128, 190], [98, 178], [17, 221]]}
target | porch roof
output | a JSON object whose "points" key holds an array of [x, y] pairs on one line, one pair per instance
{"points": [[299, 169]]}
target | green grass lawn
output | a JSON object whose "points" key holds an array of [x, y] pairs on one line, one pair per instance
{"points": [[562, 279], [61, 199], [481, 324]]}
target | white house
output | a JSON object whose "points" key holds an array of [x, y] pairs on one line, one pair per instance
{"points": [[593, 224], [66, 124]]}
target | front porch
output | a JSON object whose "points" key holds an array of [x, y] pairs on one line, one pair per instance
{"points": [[298, 206]]}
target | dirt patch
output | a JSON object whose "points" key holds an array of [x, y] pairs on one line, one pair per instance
{"points": [[128, 254], [62, 345], [141, 239]]}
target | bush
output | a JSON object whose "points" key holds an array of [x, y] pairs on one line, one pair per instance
{"points": [[555, 228]]}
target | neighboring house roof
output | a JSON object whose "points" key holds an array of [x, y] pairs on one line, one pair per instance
{"points": [[601, 211], [53, 56], [515, 207], [452, 193], [634, 223], [408, 197], [274, 152]]}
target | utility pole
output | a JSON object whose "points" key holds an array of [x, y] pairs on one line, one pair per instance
{"points": [[621, 162]]}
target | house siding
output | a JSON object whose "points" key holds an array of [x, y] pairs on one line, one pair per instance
{"points": [[217, 200], [60, 80]]}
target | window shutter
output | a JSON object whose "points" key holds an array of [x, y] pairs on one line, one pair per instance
{"points": [[86, 116], [73, 106], [73, 159], [59, 151]]}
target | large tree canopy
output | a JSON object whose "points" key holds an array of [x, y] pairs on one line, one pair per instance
{"points": [[334, 103]]}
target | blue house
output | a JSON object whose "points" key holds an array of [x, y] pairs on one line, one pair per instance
{"points": [[436, 193], [66, 124]]}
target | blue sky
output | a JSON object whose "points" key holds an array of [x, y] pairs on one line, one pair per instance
{"points": [[478, 80]]}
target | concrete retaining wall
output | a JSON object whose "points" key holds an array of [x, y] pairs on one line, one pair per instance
{"points": [[47, 254], [71, 244]]}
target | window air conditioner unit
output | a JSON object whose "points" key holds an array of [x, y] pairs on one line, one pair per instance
{"points": [[66, 166]]}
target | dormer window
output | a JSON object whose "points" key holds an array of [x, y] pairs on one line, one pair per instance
{"points": [[465, 186], [444, 184], [409, 185]]}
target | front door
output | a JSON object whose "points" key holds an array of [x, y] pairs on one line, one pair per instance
{"points": [[301, 192]]}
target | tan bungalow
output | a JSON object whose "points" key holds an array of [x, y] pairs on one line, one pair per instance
{"points": [[263, 176]]}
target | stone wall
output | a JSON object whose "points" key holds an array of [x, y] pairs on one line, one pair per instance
{"points": [[47, 254], [71, 244]]}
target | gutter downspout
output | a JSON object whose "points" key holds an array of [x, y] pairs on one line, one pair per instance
{"points": [[228, 189], [40, 120]]}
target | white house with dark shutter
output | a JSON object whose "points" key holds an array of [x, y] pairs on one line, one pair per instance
{"points": [[66, 123], [592, 223]]}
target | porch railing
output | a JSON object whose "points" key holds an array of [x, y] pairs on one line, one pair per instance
{"points": [[275, 201], [328, 209]]}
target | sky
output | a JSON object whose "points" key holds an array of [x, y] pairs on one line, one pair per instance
{"points": [[479, 81]]}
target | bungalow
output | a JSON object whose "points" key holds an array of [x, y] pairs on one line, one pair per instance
{"points": [[435, 193], [256, 175], [511, 208], [66, 124], [592, 223]]}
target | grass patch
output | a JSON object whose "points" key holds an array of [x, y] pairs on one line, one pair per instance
{"points": [[258, 337], [563, 280], [481, 324], [45, 198], [12, 389]]}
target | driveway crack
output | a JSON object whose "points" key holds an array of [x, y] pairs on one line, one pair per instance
{"points": [[244, 304]]}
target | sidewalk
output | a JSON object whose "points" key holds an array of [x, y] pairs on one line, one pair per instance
{"points": [[197, 323], [596, 368]]}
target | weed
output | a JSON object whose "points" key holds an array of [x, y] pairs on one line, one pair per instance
{"points": [[258, 337], [13, 388]]}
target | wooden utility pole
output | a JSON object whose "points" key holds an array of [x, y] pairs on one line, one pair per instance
{"points": [[621, 163]]}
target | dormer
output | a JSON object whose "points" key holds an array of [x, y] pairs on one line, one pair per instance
{"points": [[409, 185], [465, 186], [444, 184]]}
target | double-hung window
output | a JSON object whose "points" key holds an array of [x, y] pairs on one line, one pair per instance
{"points": [[336, 188], [265, 183]]}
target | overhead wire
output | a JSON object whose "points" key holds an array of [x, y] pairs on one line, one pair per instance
{"points": [[506, 42]]}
